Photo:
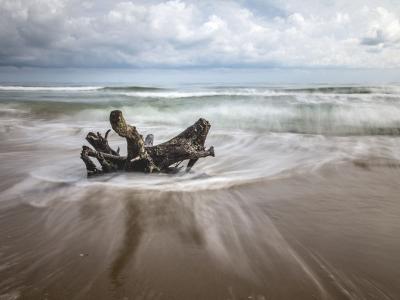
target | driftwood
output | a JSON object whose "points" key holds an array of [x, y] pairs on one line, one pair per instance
{"points": [[142, 156]]}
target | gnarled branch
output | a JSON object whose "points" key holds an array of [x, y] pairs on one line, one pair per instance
{"points": [[141, 154]]}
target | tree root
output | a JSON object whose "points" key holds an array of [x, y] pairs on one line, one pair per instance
{"points": [[142, 156]]}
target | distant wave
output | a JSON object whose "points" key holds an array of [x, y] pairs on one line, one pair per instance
{"points": [[201, 94], [158, 92], [80, 88], [149, 92], [338, 90], [49, 88], [132, 88], [346, 90], [249, 93]]}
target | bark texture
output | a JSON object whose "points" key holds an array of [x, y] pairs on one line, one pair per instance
{"points": [[142, 155]]}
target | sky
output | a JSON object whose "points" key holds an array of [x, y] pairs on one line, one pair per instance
{"points": [[40, 38]]}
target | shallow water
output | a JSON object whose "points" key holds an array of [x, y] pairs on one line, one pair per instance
{"points": [[300, 202]]}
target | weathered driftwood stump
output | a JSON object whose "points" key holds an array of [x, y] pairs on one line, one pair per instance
{"points": [[142, 156]]}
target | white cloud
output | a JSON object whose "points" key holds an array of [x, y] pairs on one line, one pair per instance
{"points": [[192, 33], [384, 29]]}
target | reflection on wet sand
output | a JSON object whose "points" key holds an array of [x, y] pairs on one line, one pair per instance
{"points": [[130, 241]]}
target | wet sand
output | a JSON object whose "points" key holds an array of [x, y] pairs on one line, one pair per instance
{"points": [[330, 235]]}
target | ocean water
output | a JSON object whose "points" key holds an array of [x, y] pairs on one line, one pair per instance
{"points": [[300, 201], [258, 132]]}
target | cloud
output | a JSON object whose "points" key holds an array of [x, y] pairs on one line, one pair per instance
{"points": [[384, 29], [178, 33]]}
